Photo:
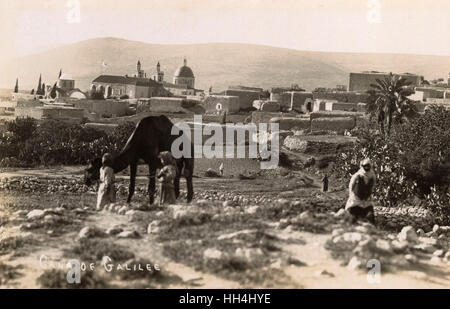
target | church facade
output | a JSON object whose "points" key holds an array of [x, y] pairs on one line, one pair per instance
{"points": [[139, 86]]}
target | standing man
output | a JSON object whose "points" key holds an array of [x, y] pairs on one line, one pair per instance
{"points": [[221, 169], [325, 183], [360, 189]]}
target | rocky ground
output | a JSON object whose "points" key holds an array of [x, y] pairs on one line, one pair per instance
{"points": [[275, 230]]}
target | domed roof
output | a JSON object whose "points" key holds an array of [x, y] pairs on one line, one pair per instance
{"points": [[184, 71]]}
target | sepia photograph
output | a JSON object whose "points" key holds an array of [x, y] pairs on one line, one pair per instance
{"points": [[240, 147]]}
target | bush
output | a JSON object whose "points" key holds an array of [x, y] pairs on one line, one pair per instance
{"points": [[413, 161], [55, 142]]}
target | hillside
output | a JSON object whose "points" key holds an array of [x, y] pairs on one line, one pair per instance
{"points": [[215, 64]]}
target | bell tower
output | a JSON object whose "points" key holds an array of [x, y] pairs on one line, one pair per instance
{"points": [[159, 76]]}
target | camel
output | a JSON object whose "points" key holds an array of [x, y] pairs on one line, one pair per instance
{"points": [[151, 136]]}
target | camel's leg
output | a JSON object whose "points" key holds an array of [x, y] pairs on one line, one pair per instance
{"points": [[133, 170], [176, 182], [190, 189], [151, 183]]}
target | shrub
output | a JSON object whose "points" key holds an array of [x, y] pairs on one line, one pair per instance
{"points": [[412, 161], [55, 142]]}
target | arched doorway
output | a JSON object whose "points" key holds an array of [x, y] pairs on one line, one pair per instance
{"points": [[309, 106], [93, 88], [108, 93]]}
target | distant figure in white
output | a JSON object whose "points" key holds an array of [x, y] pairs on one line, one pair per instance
{"points": [[106, 189], [360, 189], [221, 169]]}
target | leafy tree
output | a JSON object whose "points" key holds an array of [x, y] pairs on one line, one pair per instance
{"points": [[391, 101], [32, 91]]}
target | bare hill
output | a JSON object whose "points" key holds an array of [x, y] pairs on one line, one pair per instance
{"points": [[215, 64]]}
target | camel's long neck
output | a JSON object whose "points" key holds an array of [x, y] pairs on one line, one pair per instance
{"points": [[123, 159]]}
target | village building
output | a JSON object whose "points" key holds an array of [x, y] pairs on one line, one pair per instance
{"points": [[362, 82], [137, 86]]}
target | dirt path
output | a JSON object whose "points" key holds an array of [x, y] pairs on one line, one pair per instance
{"points": [[318, 269]]}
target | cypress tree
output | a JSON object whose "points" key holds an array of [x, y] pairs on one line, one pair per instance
{"points": [[39, 87], [16, 88]]}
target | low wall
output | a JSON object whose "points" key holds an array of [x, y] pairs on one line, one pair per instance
{"points": [[334, 114], [289, 123], [215, 103], [341, 106], [165, 104], [333, 124], [346, 97], [41, 113], [110, 108], [259, 116]]}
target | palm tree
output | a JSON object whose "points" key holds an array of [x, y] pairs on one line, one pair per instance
{"points": [[391, 101]]}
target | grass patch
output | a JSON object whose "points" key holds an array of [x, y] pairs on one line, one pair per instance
{"points": [[57, 279], [91, 250]]}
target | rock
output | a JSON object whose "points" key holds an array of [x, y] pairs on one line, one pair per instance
{"points": [[252, 210], [438, 253], [212, 254], [249, 254], [305, 216], [425, 247], [227, 204], [122, 210], [283, 202], [435, 260], [203, 202], [436, 229], [337, 232], [407, 234], [411, 258], [399, 246], [153, 227], [447, 256], [90, 232], [35, 214], [114, 230], [159, 213], [399, 260], [383, 246], [128, 234], [20, 213], [353, 237], [130, 212], [323, 273], [420, 232], [340, 213], [354, 263]]}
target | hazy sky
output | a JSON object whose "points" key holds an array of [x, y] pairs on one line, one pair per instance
{"points": [[398, 26]]}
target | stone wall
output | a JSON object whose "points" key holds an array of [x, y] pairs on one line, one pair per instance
{"points": [[333, 124], [289, 123], [110, 108], [346, 97], [47, 112], [215, 103], [165, 104]]}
